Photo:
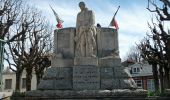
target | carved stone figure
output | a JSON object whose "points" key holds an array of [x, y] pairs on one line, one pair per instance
{"points": [[85, 33]]}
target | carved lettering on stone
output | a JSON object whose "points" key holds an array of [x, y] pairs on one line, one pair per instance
{"points": [[64, 40], [86, 77]]}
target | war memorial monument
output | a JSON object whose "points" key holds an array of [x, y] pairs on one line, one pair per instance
{"points": [[86, 64]]}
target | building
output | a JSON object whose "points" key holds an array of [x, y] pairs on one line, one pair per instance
{"points": [[9, 78], [142, 75], [9, 81]]}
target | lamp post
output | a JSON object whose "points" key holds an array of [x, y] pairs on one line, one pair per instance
{"points": [[2, 42]]}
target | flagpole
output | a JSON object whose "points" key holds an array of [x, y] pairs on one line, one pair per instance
{"points": [[115, 14]]}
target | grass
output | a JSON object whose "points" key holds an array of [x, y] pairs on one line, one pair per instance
{"points": [[18, 94], [151, 93]]}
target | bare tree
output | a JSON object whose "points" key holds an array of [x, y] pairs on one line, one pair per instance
{"points": [[9, 13], [43, 60], [28, 38], [40, 46], [15, 52], [43, 63], [11, 16], [156, 47], [133, 54], [162, 36], [162, 12], [155, 53], [150, 54]]}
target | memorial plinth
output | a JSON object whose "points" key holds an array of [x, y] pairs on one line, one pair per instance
{"points": [[86, 77], [86, 61]]}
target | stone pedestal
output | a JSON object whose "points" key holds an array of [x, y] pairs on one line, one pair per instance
{"points": [[86, 73], [57, 78], [86, 61], [60, 62], [86, 77], [109, 61], [73, 77], [116, 94]]}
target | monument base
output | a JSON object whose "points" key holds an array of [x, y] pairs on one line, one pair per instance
{"points": [[109, 62], [122, 94], [86, 77], [59, 62], [89, 78], [86, 61]]}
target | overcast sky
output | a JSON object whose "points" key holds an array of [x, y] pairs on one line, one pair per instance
{"points": [[132, 16]]}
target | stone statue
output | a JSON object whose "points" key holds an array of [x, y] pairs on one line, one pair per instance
{"points": [[85, 33]]}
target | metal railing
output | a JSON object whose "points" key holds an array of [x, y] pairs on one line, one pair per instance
{"points": [[2, 42]]}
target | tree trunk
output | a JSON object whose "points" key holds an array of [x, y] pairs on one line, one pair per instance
{"points": [[155, 76], [167, 80], [161, 79], [28, 79], [18, 81], [38, 78]]}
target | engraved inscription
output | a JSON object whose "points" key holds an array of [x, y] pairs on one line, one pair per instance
{"points": [[86, 77], [63, 40], [108, 45]]}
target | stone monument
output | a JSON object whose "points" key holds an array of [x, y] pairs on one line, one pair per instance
{"points": [[85, 33], [85, 64]]}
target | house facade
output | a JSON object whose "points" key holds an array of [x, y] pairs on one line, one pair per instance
{"points": [[142, 75], [9, 81]]}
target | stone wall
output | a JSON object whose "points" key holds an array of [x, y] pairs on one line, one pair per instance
{"points": [[107, 45], [86, 77]]}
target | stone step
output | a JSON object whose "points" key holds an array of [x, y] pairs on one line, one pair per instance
{"points": [[86, 94]]}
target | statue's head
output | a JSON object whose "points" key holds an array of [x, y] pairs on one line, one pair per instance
{"points": [[82, 5]]}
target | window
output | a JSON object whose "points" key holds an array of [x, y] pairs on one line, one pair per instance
{"points": [[150, 85], [139, 83], [136, 70], [8, 83], [23, 82]]}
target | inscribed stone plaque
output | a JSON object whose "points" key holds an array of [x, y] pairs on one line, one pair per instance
{"points": [[64, 42], [86, 77], [107, 40]]}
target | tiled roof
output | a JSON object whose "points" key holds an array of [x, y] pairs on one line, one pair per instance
{"points": [[146, 69]]}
